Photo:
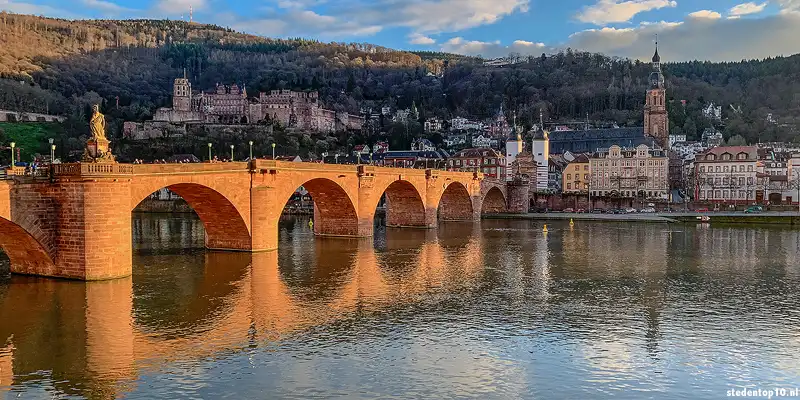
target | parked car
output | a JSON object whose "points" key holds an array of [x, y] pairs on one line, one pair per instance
{"points": [[648, 210], [703, 209], [598, 211], [580, 210], [617, 211], [754, 209], [569, 210], [630, 210]]}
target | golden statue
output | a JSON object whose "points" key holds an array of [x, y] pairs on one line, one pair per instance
{"points": [[97, 124], [97, 149]]}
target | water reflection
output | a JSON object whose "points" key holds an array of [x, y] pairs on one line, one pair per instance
{"points": [[497, 309]]}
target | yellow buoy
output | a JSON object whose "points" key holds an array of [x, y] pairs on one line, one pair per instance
{"points": [[545, 228], [311, 223], [571, 223]]}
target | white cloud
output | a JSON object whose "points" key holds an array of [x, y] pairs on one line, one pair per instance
{"points": [[174, 7], [105, 6], [711, 39], [493, 49], [416, 38], [301, 23], [708, 14], [34, 9], [616, 11], [747, 9]]}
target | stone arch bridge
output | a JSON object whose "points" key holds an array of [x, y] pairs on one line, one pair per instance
{"points": [[74, 221]]}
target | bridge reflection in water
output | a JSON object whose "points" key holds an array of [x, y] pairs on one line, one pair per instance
{"points": [[492, 308], [184, 303]]}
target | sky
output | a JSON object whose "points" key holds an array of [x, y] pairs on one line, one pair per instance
{"points": [[714, 30]]}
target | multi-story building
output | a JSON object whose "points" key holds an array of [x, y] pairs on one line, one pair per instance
{"points": [[489, 161], [640, 172], [555, 172], [728, 175], [576, 176]]}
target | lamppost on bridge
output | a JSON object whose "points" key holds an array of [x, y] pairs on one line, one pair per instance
{"points": [[370, 158], [52, 150], [231, 153], [336, 158], [251, 150], [273, 151], [13, 145], [209, 151]]}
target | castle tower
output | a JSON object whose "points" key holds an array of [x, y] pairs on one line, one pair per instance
{"points": [[656, 121], [540, 147], [182, 94]]}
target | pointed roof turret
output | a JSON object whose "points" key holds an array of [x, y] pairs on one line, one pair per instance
{"points": [[656, 57]]}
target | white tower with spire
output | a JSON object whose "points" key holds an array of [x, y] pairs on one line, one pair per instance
{"points": [[540, 150]]}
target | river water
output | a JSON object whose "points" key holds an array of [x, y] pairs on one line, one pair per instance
{"points": [[495, 309]]}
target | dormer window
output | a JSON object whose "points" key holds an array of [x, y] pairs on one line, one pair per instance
{"points": [[726, 156], [742, 156], [711, 157]]}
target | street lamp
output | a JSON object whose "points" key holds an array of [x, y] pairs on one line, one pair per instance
{"points": [[273, 151], [251, 150], [231, 153], [209, 151], [12, 152], [370, 158], [336, 158]]}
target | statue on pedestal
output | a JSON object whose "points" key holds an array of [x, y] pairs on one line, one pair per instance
{"points": [[97, 150]]}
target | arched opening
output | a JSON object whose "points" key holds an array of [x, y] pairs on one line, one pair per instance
{"points": [[25, 254], [455, 204], [404, 206], [494, 202], [224, 227], [333, 211]]}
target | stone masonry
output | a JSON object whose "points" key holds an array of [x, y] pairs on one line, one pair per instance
{"points": [[77, 223]]}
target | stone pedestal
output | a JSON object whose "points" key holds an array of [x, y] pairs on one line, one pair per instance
{"points": [[97, 151]]}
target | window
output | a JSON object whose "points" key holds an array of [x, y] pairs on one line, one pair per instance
{"points": [[717, 169], [586, 177], [703, 169], [741, 181], [724, 194], [749, 168], [750, 180], [725, 169], [569, 186], [577, 168], [741, 168], [585, 167], [569, 177]]}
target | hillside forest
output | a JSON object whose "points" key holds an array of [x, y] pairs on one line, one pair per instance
{"points": [[63, 67]]}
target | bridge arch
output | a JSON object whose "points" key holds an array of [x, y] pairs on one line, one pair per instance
{"points": [[455, 203], [404, 205], [494, 201], [27, 255], [225, 227], [334, 211]]}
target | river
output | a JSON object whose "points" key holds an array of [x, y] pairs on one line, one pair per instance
{"points": [[496, 309]]}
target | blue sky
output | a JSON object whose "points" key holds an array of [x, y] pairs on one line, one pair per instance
{"points": [[688, 29]]}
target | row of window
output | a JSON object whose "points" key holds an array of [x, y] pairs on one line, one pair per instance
{"points": [[725, 181], [578, 176], [578, 186], [725, 194], [474, 162], [642, 163], [629, 193], [725, 168]]}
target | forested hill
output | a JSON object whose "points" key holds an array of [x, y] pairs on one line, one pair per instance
{"points": [[67, 65]]}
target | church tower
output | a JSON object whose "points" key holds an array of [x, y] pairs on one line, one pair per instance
{"points": [[656, 123], [182, 94]]}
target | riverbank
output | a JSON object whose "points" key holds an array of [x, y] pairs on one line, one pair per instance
{"points": [[770, 218]]}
